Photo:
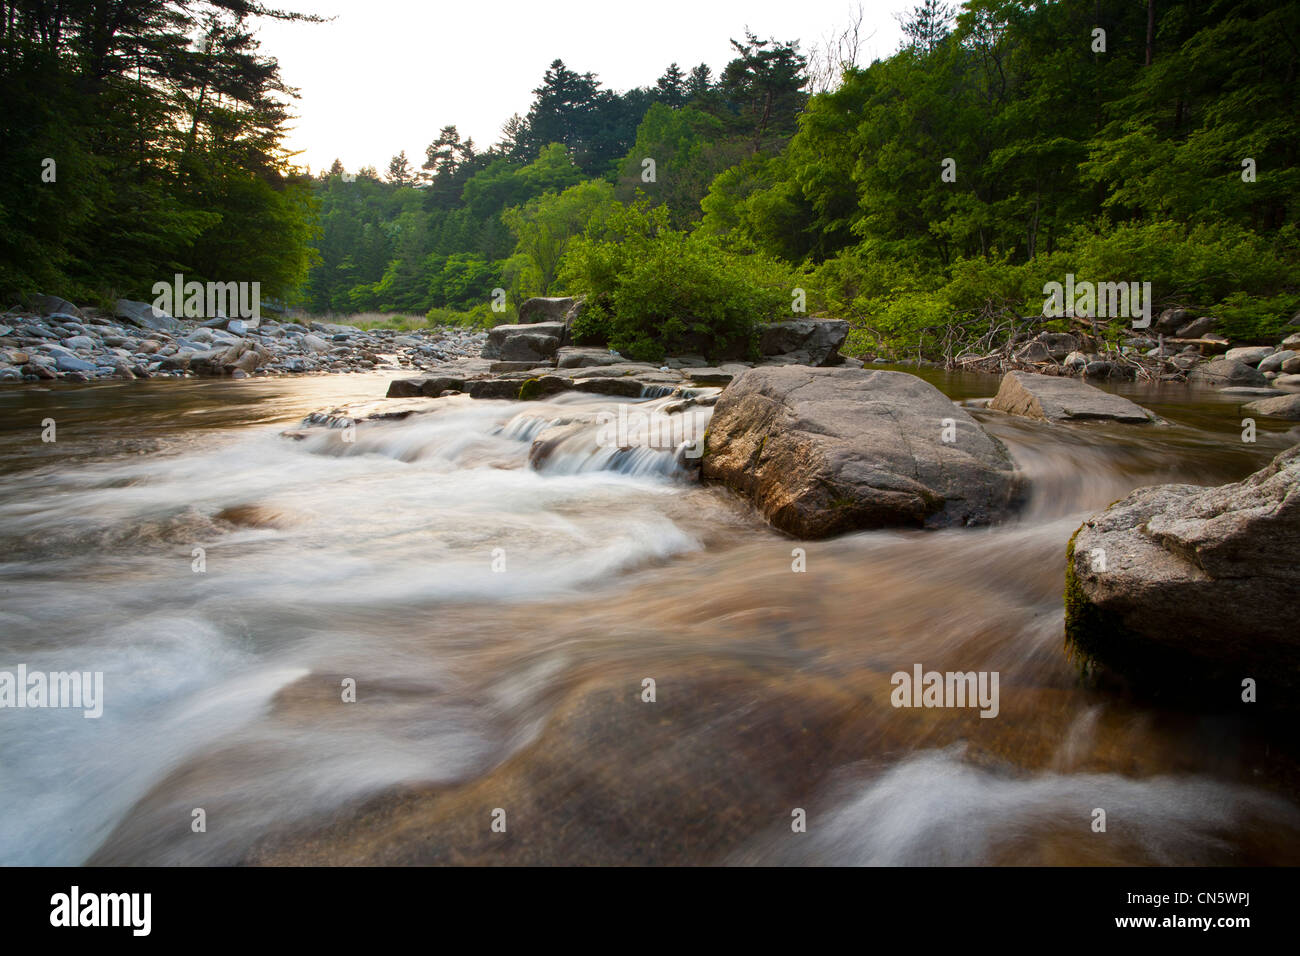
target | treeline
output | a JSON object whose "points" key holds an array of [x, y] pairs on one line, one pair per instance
{"points": [[923, 196], [467, 220], [141, 139], [1004, 145]]}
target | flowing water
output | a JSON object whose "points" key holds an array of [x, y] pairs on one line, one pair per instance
{"points": [[500, 620]]}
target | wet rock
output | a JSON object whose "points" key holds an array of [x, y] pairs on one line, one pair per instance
{"points": [[1282, 406], [1188, 590], [1226, 371], [1063, 400], [494, 388], [621, 387], [1251, 391], [543, 387], [708, 376], [825, 451]]}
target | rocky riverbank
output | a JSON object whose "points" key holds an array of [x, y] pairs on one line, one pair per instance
{"points": [[54, 340]]}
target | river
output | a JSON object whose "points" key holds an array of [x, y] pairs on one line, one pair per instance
{"points": [[500, 624]]}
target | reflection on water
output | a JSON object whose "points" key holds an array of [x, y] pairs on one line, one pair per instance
{"points": [[498, 620]]}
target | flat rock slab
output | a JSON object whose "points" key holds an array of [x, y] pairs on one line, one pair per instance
{"points": [[1186, 590], [1057, 399], [1251, 391], [1283, 406], [572, 357], [823, 451]]}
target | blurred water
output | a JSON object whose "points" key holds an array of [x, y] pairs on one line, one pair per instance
{"points": [[465, 589]]}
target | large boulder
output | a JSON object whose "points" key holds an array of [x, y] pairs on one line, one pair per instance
{"points": [[535, 341], [145, 316], [1188, 591], [1197, 327], [1170, 321], [1056, 399], [1226, 371], [53, 305], [541, 309], [825, 451], [813, 342]]}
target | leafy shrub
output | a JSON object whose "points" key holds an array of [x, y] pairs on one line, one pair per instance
{"points": [[653, 290]]}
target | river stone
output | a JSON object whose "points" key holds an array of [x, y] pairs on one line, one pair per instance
{"points": [[53, 305], [1059, 344], [708, 376], [1188, 590], [1250, 354], [1273, 362], [1283, 406], [536, 341], [621, 387], [1197, 327], [571, 357], [819, 338], [542, 309], [1033, 353], [825, 451], [495, 388], [70, 363], [1056, 399], [1171, 320], [1226, 371], [543, 387], [145, 316], [1251, 391]]}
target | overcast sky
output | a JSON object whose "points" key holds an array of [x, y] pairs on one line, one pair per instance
{"points": [[386, 75]]}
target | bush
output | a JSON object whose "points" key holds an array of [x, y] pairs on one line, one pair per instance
{"points": [[654, 291]]}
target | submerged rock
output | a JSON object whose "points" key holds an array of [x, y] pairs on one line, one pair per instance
{"points": [[1282, 406], [1188, 591], [1056, 399], [826, 451]]}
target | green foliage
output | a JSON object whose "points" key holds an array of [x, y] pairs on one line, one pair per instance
{"points": [[544, 227], [653, 290], [167, 152]]}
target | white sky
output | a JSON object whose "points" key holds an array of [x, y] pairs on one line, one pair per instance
{"points": [[386, 75]]}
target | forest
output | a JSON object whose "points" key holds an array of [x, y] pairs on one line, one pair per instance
{"points": [[922, 196]]}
